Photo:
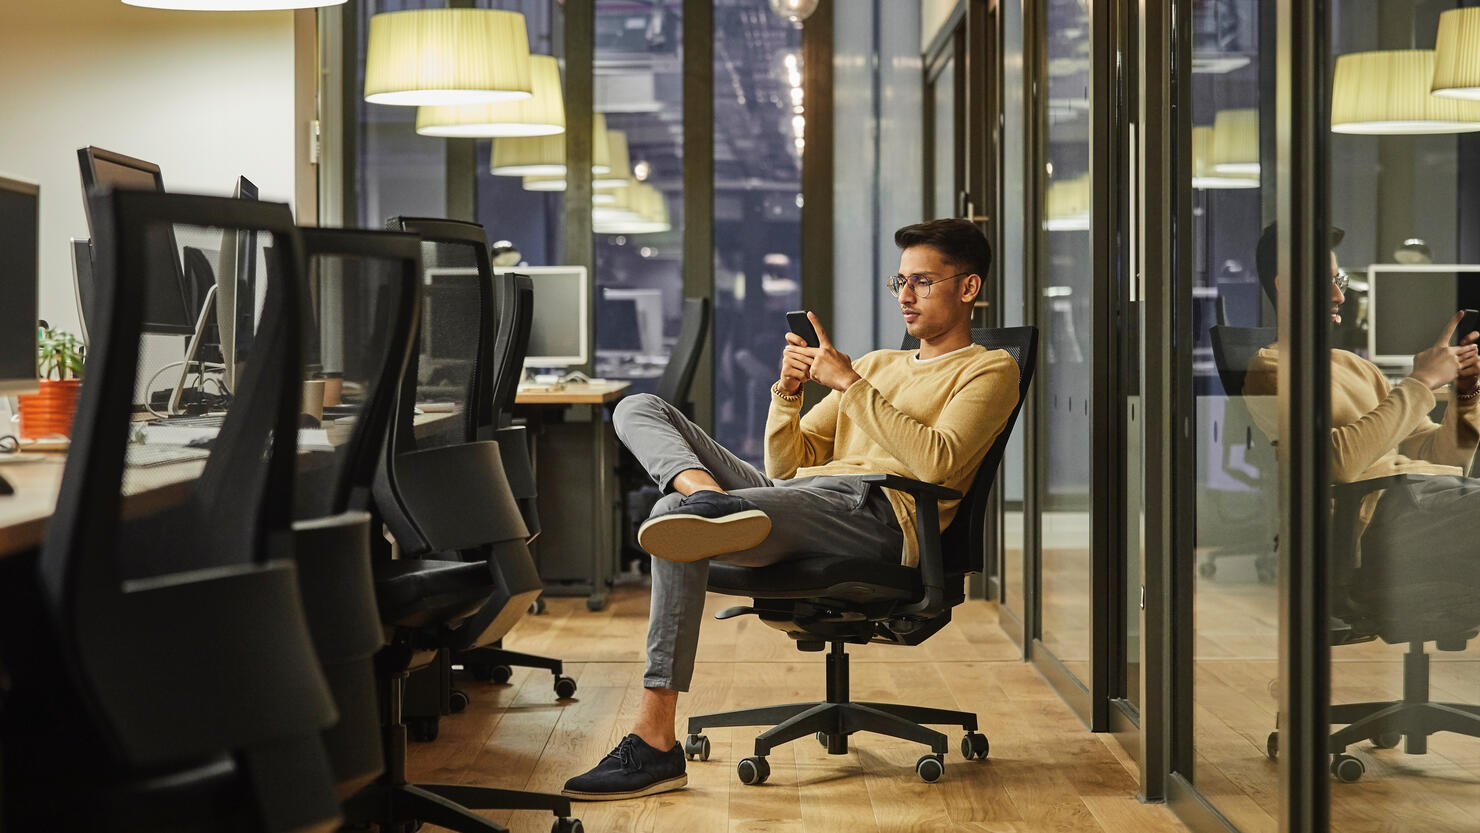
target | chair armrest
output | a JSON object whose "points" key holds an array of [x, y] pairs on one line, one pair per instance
{"points": [[914, 487], [927, 536], [1361, 488]]}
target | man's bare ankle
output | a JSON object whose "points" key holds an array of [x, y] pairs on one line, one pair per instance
{"points": [[656, 740]]}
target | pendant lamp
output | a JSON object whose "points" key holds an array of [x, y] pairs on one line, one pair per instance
{"points": [[543, 114], [1386, 93], [447, 56], [557, 183], [1066, 205], [1204, 176], [231, 5], [1457, 54], [1236, 142], [545, 155], [619, 172], [640, 209]]}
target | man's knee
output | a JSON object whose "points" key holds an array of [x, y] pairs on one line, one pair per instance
{"points": [[637, 405]]}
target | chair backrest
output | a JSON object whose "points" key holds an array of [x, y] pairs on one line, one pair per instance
{"points": [[678, 376], [514, 295], [365, 293], [963, 543], [1234, 349], [181, 618], [454, 364]]}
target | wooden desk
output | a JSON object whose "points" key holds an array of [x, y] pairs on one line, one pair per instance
{"points": [[575, 460], [24, 515]]}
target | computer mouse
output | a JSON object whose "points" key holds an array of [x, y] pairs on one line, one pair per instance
{"points": [[201, 442]]}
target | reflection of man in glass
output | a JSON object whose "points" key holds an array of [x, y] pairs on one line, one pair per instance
{"points": [[929, 413], [1378, 429]]}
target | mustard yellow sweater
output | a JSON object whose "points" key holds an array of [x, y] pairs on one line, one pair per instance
{"points": [[1377, 429], [930, 420]]}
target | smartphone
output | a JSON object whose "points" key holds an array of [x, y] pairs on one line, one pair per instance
{"points": [[800, 324], [1469, 324]]}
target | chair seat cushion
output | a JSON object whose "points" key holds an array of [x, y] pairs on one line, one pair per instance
{"points": [[841, 577], [420, 592]]}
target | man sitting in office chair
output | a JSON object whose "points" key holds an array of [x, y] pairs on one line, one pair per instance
{"points": [[930, 414], [1378, 429]]}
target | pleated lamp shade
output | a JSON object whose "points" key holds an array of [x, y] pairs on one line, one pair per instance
{"points": [[1387, 93], [557, 183], [641, 209], [542, 114], [620, 171], [624, 204], [1204, 176], [545, 155], [1066, 205], [1457, 54], [232, 5], [447, 56], [1236, 142]]}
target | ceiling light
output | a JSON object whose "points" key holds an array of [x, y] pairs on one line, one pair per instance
{"points": [[794, 10], [619, 164], [543, 114], [1067, 205], [1204, 177], [1387, 93], [447, 56], [545, 155], [1457, 54], [1236, 142]]}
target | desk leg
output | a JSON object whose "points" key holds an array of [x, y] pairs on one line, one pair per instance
{"points": [[601, 551]]}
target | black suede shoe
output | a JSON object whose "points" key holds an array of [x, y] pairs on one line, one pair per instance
{"points": [[704, 524], [632, 770]]}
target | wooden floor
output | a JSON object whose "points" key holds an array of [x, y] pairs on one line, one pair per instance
{"points": [[1045, 771]]}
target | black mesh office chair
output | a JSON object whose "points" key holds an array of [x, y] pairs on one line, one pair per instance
{"points": [[832, 600], [479, 647], [639, 495], [165, 678], [1380, 599], [364, 290]]}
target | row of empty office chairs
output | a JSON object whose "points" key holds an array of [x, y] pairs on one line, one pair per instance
{"points": [[221, 643]]}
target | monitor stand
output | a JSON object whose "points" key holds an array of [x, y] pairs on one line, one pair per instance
{"points": [[193, 347]]}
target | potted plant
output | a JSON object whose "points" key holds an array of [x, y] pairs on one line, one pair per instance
{"points": [[59, 357]]}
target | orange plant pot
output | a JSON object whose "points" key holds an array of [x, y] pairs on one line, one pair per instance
{"points": [[50, 411]]}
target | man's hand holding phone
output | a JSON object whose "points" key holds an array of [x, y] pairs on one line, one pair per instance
{"points": [[823, 363], [1444, 363]]}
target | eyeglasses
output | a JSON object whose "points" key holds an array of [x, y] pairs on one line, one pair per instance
{"points": [[919, 284], [1342, 280]]}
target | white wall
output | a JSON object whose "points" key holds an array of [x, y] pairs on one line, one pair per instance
{"points": [[207, 96]]}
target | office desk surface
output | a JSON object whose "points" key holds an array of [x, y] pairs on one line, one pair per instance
{"points": [[23, 515], [596, 393]]}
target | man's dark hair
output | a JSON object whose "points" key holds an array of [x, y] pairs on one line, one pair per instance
{"points": [[1267, 255], [958, 241]]}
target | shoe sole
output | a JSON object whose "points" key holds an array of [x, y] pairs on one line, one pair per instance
{"points": [[650, 789], [684, 538]]}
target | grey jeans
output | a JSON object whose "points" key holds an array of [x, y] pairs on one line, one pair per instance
{"points": [[841, 515]]}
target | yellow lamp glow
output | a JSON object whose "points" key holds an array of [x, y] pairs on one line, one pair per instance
{"points": [[1236, 142], [231, 5], [620, 171], [545, 155], [1204, 176], [1457, 54], [1387, 93], [447, 56], [557, 183], [543, 114]]}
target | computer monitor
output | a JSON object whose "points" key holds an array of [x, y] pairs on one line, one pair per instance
{"points": [[236, 291], [85, 284], [19, 235], [557, 335], [166, 306], [1406, 306], [616, 326], [648, 305]]}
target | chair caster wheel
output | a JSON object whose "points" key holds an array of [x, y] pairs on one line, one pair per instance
{"points": [[1207, 569], [500, 674], [822, 739], [696, 746], [1387, 740], [594, 604], [1272, 745], [564, 825], [535, 609], [422, 729], [930, 768], [974, 746], [480, 671], [565, 688], [1346, 768], [457, 701], [753, 770]]}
